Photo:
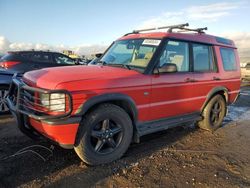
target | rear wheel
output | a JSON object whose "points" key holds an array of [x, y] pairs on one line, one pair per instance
{"points": [[213, 114], [104, 135], [3, 106]]}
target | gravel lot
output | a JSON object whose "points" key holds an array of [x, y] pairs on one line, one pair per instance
{"points": [[183, 156]]}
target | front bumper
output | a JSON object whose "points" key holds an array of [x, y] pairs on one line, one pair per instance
{"points": [[60, 129]]}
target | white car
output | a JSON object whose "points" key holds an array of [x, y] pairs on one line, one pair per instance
{"points": [[245, 71]]}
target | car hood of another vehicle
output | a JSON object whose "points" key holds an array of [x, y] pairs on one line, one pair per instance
{"points": [[73, 77]]}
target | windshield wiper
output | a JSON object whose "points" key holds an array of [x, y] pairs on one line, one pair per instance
{"points": [[120, 65]]}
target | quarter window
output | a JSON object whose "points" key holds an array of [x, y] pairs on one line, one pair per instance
{"points": [[203, 58], [177, 53], [228, 59]]}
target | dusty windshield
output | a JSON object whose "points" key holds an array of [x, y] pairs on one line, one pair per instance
{"points": [[131, 53]]}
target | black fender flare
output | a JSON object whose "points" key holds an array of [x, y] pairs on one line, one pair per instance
{"points": [[213, 92], [109, 97]]}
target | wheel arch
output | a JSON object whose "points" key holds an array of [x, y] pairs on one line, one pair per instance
{"points": [[121, 100], [223, 91]]}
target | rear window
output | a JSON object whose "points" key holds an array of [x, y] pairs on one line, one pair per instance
{"points": [[228, 59], [7, 57], [16, 56]]}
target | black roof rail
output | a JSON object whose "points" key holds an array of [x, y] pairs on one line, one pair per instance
{"points": [[181, 27], [170, 27], [163, 27], [198, 30]]}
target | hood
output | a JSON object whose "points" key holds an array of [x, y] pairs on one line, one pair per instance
{"points": [[50, 78]]}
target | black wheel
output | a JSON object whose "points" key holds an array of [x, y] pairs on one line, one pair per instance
{"points": [[213, 114], [3, 106], [104, 135]]}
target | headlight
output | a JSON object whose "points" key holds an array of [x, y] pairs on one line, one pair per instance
{"points": [[54, 101]]}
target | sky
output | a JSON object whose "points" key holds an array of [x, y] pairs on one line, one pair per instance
{"points": [[91, 25]]}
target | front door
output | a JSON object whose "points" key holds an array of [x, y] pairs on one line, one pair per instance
{"points": [[173, 93]]}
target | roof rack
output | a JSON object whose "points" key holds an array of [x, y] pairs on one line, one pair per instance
{"points": [[198, 30], [163, 27], [181, 27]]}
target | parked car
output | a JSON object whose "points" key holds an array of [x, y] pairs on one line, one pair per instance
{"points": [[245, 72], [144, 83], [19, 62]]}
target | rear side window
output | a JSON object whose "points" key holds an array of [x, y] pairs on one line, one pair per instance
{"points": [[26, 55], [228, 59], [203, 58], [41, 57]]}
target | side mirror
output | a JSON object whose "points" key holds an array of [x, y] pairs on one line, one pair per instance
{"points": [[166, 68], [98, 55]]}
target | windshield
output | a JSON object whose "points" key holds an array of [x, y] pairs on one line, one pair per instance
{"points": [[132, 53]]}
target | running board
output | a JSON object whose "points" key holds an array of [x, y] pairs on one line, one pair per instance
{"points": [[163, 124]]}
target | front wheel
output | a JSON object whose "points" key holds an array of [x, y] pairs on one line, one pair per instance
{"points": [[104, 135], [213, 114], [3, 106]]}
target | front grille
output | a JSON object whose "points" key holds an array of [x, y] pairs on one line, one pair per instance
{"points": [[27, 100]]}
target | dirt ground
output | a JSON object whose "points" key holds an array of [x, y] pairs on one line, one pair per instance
{"points": [[179, 157]]}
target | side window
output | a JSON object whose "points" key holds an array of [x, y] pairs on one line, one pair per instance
{"points": [[61, 59], [176, 52], [26, 55], [228, 59], [41, 57], [203, 58]]}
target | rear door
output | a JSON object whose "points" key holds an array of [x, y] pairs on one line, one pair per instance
{"points": [[172, 93], [205, 71]]}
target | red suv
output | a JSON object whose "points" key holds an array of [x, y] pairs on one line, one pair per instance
{"points": [[143, 83]]}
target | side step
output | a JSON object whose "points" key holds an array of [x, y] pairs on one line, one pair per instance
{"points": [[163, 124]]}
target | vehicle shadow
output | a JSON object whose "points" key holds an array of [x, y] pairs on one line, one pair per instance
{"points": [[65, 169]]}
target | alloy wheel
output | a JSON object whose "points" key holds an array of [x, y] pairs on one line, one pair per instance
{"points": [[216, 112], [106, 136]]}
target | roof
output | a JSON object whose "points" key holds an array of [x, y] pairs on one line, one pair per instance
{"points": [[195, 37], [28, 51]]}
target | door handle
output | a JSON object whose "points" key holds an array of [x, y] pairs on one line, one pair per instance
{"points": [[190, 80], [216, 78]]}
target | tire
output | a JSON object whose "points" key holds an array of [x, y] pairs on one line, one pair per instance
{"points": [[213, 114], [104, 135], [3, 106]]}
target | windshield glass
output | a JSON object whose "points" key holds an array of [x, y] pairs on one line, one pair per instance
{"points": [[132, 53]]}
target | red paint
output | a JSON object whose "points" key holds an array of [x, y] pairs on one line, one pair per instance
{"points": [[63, 134]]}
